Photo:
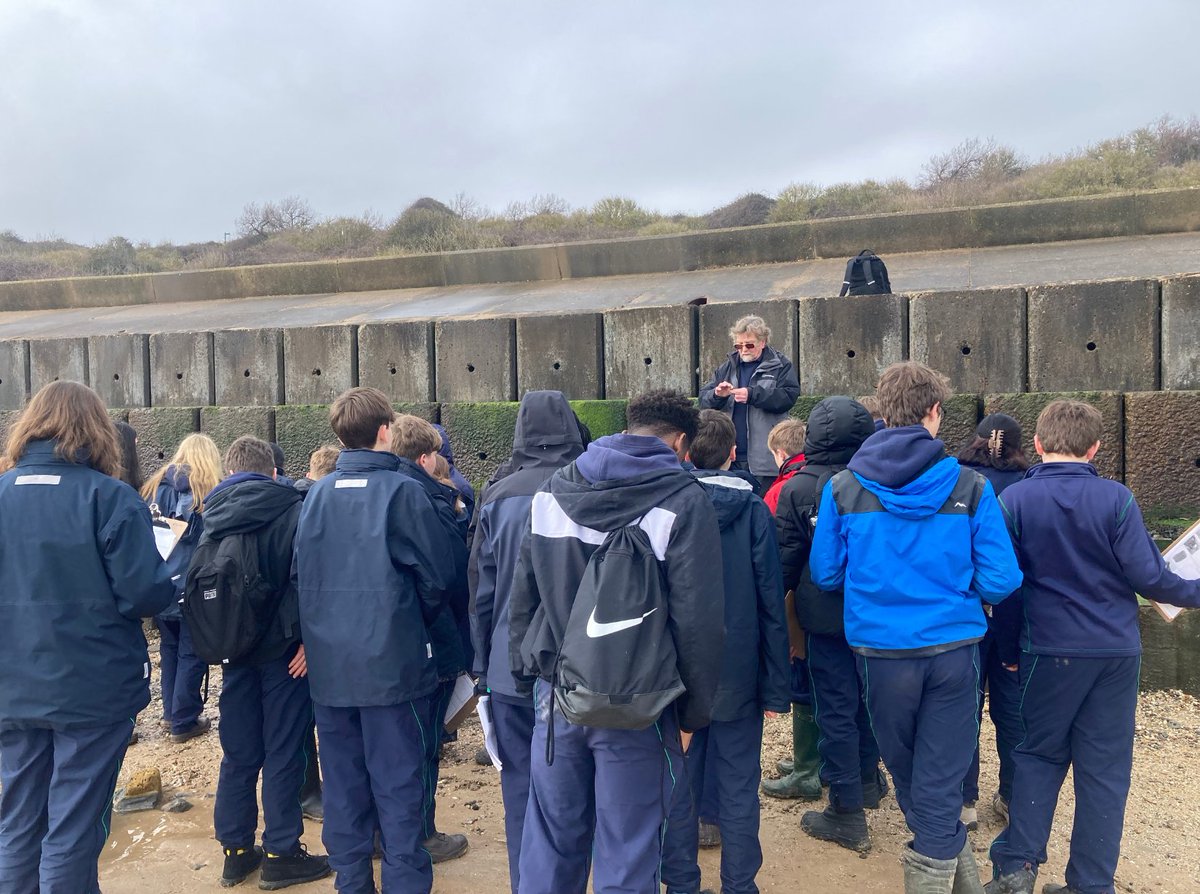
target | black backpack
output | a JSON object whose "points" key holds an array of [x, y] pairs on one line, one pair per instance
{"points": [[866, 274], [226, 600], [617, 667]]}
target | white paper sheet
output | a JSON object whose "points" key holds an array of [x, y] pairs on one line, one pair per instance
{"points": [[165, 540], [484, 707], [1182, 557]]}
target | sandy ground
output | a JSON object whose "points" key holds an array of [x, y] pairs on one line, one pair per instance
{"points": [[175, 853]]}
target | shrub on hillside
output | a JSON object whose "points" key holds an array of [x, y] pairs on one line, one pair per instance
{"points": [[747, 211]]}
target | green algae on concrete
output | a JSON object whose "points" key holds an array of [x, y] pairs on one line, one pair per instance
{"points": [[1110, 461], [226, 424], [299, 430], [602, 417], [481, 435], [159, 431]]}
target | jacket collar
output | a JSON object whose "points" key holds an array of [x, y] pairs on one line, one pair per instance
{"points": [[362, 460], [40, 453], [1060, 470]]}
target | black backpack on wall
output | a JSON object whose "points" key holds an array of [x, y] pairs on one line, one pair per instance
{"points": [[866, 274]]}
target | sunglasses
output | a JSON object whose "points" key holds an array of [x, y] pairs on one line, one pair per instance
{"points": [[745, 345]]}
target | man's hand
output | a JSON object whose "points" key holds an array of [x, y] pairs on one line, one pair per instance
{"points": [[772, 715], [740, 395], [724, 389], [298, 666]]}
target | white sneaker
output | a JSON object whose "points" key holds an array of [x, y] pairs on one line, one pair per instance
{"points": [[970, 816], [1000, 806]]}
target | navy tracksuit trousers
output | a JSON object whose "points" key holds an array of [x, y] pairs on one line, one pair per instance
{"points": [[607, 793], [1004, 707], [374, 773], [513, 723], [182, 675], [849, 755], [1078, 713], [56, 805], [727, 751], [433, 755], [923, 712], [265, 718]]}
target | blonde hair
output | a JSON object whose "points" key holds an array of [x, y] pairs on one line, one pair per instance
{"points": [[413, 437], [787, 436], [322, 461], [199, 457], [75, 417]]}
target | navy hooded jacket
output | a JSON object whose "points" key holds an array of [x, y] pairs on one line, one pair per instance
{"points": [[619, 480], [546, 438], [175, 500], [79, 570], [755, 675], [916, 541], [371, 572], [1085, 552]]}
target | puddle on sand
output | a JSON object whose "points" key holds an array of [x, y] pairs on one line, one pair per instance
{"points": [[176, 850]]}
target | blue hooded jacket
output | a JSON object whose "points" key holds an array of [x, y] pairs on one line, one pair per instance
{"points": [[1086, 553], [371, 573], [916, 541], [78, 571]]}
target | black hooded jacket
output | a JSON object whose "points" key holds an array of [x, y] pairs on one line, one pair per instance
{"points": [[547, 437], [251, 503], [837, 427]]}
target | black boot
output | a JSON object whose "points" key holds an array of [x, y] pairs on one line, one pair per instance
{"points": [[443, 847], [239, 863], [285, 870], [1019, 882], [847, 829], [875, 789], [310, 793]]}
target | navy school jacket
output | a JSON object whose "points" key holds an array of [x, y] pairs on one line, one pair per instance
{"points": [[78, 572], [1085, 553], [371, 573], [754, 662]]}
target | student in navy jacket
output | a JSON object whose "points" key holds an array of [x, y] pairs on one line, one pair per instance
{"points": [[79, 570], [607, 791], [915, 542], [1086, 555], [996, 453], [547, 437], [417, 442], [371, 574], [755, 678]]}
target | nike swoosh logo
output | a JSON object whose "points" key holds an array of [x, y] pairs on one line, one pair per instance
{"points": [[595, 629]]}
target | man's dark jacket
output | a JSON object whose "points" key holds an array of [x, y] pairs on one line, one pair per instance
{"points": [[371, 571], [620, 480], [755, 676], [547, 437], [78, 572], [249, 503]]}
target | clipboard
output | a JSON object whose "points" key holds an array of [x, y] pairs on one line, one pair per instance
{"points": [[1182, 557], [167, 532]]}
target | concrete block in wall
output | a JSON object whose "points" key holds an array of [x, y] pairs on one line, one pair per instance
{"points": [[159, 432], [1110, 461], [1180, 326], [319, 363], [649, 347], [226, 424], [602, 417], [428, 411], [1054, 220], [181, 369], [716, 320], [844, 237], [299, 431], [476, 360], [1094, 336], [976, 338], [1170, 659], [373, 274], [57, 359], [621, 257], [960, 419], [248, 366], [397, 358], [845, 343], [561, 353], [767, 244], [1162, 451], [523, 264], [14, 373], [117, 367], [305, 278], [481, 435], [197, 285]]}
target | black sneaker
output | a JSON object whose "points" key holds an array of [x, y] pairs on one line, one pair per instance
{"points": [[874, 790], [443, 847], [847, 829], [283, 871], [199, 728], [239, 863]]}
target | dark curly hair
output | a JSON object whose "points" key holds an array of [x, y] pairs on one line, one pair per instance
{"points": [[663, 412]]}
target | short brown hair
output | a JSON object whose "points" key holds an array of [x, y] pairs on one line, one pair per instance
{"points": [[715, 437], [250, 454], [74, 416], [413, 437], [356, 415], [787, 436], [871, 405], [908, 391], [1069, 427], [322, 461]]}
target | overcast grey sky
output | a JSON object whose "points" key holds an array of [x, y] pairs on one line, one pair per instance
{"points": [[161, 120]]}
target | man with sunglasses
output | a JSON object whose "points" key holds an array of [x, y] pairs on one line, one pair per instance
{"points": [[757, 386]]}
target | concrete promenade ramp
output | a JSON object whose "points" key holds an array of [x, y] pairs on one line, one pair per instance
{"points": [[950, 270]]}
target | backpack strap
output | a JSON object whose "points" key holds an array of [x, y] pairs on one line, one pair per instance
{"points": [[849, 273]]}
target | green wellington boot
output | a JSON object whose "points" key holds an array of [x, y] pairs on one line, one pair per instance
{"points": [[804, 782]]}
